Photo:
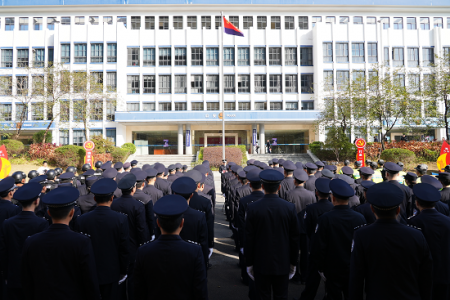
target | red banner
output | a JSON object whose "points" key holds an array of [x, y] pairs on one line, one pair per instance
{"points": [[3, 152], [88, 146], [360, 156]]}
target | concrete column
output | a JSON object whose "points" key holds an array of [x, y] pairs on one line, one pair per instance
{"points": [[254, 128], [262, 139], [121, 135], [189, 148], [180, 139]]}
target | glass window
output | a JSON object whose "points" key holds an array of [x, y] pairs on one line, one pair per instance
{"points": [[212, 106], [80, 53], [371, 20], [328, 52], [262, 22], [400, 78], [96, 53], [425, 23], [235, 21], [438, 22], [163, 23], [372, 52], [37, 23], [64, 137], [192, 22], [65, 53], [276, 105], [21, 112], [357, 20], [133, 57], [196, 84], [95, 132], [7, 58], [358, 52], [79, 20], [343, 20], [291, 83], [398, 23], [65, 20], [307, 105], [197, 56], [307, 83], [122, 19], [428, 57], [148, 107], [212, 56], [328, 80], [228, 84], [38, 58], [111, 135], [397, 57], [290, 56], [22, 58], [260, 83], [218, 22], [50, 56], [165, 106], [96, 110], [165, 84], [196, 105], [275, 56], [37, 111], [289, 23], [112, 52], [230, 106], [93, 20], [413, 57], [228, 56], [149, 57], [133, 106], [133, 84], [316, 20], [386, 56], [110, 111], [342, 80], [108, 20], [135, 22], [149, 23], [23, 24], [248, 22], [38, 85], [6, 112], [51, 23], [180, 84], [165, 57], [275, 83], [111, 81], [149, 84], [330, 20], [414, 82], [182, 106], [180, 56], [78, 137], [244, 105], [206, 22], [411, 23], [291, 105], [303, 23], [244, 84], [260, 105], [6, 85], [306, 56], [212, 84], [342, 52], [9, 24], [243, 56], [385, 22]]}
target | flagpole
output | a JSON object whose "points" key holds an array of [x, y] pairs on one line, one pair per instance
{"points": [[221, 92]]}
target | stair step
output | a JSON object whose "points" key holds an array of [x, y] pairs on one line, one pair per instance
{"points": [[165, 159]]}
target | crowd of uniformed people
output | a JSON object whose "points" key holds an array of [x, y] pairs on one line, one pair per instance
{"points": [[119, 231]]}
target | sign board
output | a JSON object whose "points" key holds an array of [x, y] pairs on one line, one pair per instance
{"points": [[188, 138], [360, 156], [254, 137], [89, 147]]}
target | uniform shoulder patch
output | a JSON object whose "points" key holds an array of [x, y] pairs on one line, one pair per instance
{"points": [[360, 226], [411, 217], [192, 242], [412, 226], [85, 234]]}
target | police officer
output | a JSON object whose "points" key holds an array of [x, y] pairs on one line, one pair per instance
{"points": [[420, 171], [108, 231], [32, 174], [410, 179], [18, 178], [377, 177], [7, 208], [181, 274], [365, 175], [389, 258], [311, 170], [346, 164], [392, 173], [332, 240], [172, 171], [271, 265], [288, 182], [178, 170], [87, 202], [364, 208], [98, 168], [119, 167], [320, 166], [146, 200], [13, 234], [444, 178], [327, 174], [161, 183], [402, 173], [150, 189], [134, 163], [223, 166], [356, 174], [332, 168], [439, 206], [126, 167], [275, 163], [72, 275]]}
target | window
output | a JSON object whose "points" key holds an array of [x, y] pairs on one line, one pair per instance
{"points": [[108, 20], [97, 82], [243, 56], [228, 82], [229, 106], [122, 19], [149, 57], [212, 84], [328, 80], [9, 24], [290, 56], [330, 20], [400, 78], [111, 135], [64, 108], [111, 81], [248, 22], [96, 53], [206, 22], [342, 80], [358, 78], [438, 22], [446, 54], [411, 24], [78, 137], [196, 84], [165, 106], [80, 53], [292, 105], [51, 23], [386, 56], [235, 21], [37, 23], [112, 52], [397, 57], [275, 56], [413, 57], [371, 20], [5, 112], [132, 106], [149, 84], [133, 84], [95, 132], [50, 56], [260, 105], [316, 20], [7, 58], [428, 57], [93, 20], [65, 53], [357, 20], [289, 23], [261, 22], [196, 105], [372, 52], [228, 56], [38, 58], [197, 56], [307, 105], [110, 111], [21, 112], [218, 22], [192, 22], [180, 84], [244, 84], [79, 20], [23, 24], [165, 57], [275, 83], [342, 52], [165, 84], [303, 23], [275, 23], [291, 83], [414, 82], [133, 57], [358, 52], [244, 105], [328, 52], [65, 20], [260, 84], [180, 56], [64, 137], [385, 22], [425, 23], [212, 56], [212, 106], [148, 107], [306, 56], [260, 56], [276, 105], [183, 106], [6, 85], [398, 23], [22, 58], [96, 110], [149, 23], [307, 83], [343, 20], [163, 23], [135, 23]]}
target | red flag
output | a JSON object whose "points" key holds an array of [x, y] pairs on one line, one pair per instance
{"points": [[4, 154], [445, 148]]}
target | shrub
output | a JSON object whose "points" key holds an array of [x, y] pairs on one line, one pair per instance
{"points": [[13, 147], [430, 155], [119, 154], [39, 136], [131, 148], [214, 155], [69, 155], [44, 151], [315, 146], [394, 155], [103, 157], [102, 145]]}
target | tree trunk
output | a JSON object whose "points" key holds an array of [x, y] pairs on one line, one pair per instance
{"points": [[46, 131], [445, 115]]}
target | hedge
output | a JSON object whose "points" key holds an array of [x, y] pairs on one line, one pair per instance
{"points": [[13, 147], [214, 155], [131, 148], [69, 155], [395, 155], [119, 154], [39, 136], [317, 148], [102, 145]]}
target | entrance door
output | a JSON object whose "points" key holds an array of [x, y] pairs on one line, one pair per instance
{"points": [[217, 141]]}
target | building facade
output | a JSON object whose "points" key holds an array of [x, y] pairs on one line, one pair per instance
{"points": [[165, 62]]}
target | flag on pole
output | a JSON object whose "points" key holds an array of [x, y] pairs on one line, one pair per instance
{"points": [[230, 28], [444, 158], [5, 165]]}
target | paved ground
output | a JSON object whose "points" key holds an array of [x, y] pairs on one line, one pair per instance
{"points": [[224, 277]]}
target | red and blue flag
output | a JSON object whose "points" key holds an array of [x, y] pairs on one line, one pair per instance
{"points": [[230, 28]]}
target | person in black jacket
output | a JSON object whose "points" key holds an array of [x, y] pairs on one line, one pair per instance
{"points": [[146, 200], [365, 209], [108, 231], [311, 170], [288, 182], [150, 188], [87, 202]]}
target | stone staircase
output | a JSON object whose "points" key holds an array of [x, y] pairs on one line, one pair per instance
{"points": [[164, 159], [301, 157]]}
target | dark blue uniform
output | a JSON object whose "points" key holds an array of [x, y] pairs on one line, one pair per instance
{"points": [[154, 193], [162, 185], [148, 204], [310, 184], [59, 264], [202, 204], [86, 203], [442, 208], [108, 231], [170, 268], [436, 229], [366, 211], [7, 210], [390, 261], [286, 186]]}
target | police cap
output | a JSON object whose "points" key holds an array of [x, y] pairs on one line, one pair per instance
{"points": [[89, 172], [289, 166], [242, 175], [366, 171], [367, 184], [184, 185], [385, 195], [28, 192], [311, 166], [38, 179], [104, 186], [140, 176], [411, 176], [110, 173], [61, 197], [330, 167], [171, 167], [300, 175], [392, 167], [426, 192], [253, 175], [106, 165], [118, 165], [443, 175], [127, 182], [341, 189], [195, 175], [151, 172], [66, 176], [170, 206], [431, 180], [275, 160], [7, 184], [347, 170], [279, 169], [323, 185], [271, 176], [327, 173], [126, 165], [135, 170], [133, 162], [91, 180], [319, 164]]}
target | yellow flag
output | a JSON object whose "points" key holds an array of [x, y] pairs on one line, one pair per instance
{"points": [[442, 161], [5, 167]]}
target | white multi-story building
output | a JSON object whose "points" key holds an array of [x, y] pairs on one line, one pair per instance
{"points": [[165, 60]]}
